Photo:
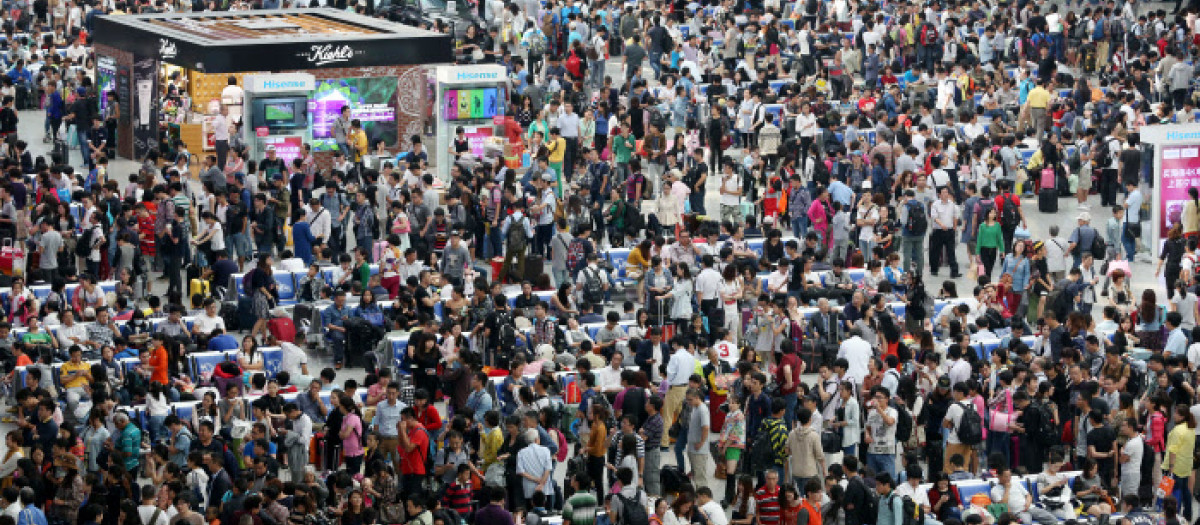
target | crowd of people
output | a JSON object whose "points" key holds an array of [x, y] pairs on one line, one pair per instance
{"points": [[789, 356]]}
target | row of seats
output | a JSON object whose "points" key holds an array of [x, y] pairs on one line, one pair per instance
{"points": [[201, 364], [42, 291], [185, 410], [288, 282]]}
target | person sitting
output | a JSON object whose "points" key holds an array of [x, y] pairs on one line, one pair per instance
{"points": [[219, 341], [208, 321]]}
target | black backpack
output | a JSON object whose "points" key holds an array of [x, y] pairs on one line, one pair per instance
{"points": [[917, 221], [870, 508], [904, 422], [1099, 247], [632, 512], [593, 286], [1103, 155], [913, 513], [1050, 431], [508, 333], [970, 426], [1010, 215]]}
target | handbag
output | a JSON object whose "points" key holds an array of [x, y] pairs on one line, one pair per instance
{"points": [[1002, 421], [831, 441], [494, 475]]}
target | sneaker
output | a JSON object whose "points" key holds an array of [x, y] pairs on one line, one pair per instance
{"points": [[1084, 207]]}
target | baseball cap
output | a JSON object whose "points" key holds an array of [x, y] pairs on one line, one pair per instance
{"points": [[943, 382]]}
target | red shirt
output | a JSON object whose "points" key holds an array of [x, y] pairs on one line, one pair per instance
{"points": [[430, 418], [1000, 202], [768, 506], [158, 360], [794, 361], [413, 461]]}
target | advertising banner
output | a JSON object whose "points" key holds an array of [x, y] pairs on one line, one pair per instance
{"points": [[1180, 171], [286, 148], [475, 138], [372, 101]]}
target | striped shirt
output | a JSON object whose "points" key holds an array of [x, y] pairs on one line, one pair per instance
{"points": [[767, 503], [458, 497], [653, 428]]}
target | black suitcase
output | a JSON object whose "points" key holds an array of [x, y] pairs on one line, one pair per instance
{"points": [[1048, 200], [229, 313], [672, 479], [59, 154], [1064, 186], [245, 312], [535, 265]]}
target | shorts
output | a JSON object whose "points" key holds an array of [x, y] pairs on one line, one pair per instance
{"points": [[733, 454], [238, 245]]}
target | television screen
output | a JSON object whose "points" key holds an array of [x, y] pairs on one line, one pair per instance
{"points": [[280, 112], [373, 101], [465, 104]]}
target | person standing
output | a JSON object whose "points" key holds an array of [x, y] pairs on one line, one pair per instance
{"points": [[341, 131], [568, 129], [699, 427], [220, 126], [946, 217]]}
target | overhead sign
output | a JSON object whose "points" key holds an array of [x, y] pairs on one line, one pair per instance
{"points": [[280, 83], [485, 74]]}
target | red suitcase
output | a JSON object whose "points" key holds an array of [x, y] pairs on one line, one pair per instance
{"points": [[283, 329]]}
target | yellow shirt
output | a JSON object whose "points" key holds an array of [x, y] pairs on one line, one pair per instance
{"points": [[80, 378], [558, 149], [1039, 98], [359, 144], [1181, 442], [489, 446]]}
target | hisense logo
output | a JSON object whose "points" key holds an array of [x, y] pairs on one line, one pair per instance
{"points": [[322, 54]]}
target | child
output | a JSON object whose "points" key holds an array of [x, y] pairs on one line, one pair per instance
{"points": [[372, 453], [458, 494], [840, 227]]}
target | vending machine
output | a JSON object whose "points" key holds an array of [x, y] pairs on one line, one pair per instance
{"points": [[276, 114]]}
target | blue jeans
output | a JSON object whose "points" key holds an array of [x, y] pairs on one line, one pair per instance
{"points": [[157, 429], [882, 463], [1183, 496], [495, 241], [81, 136], [999, 442], [849, 451], [799, 226], [239, 246], [789, 415], [1129, 243], [654, 63], [696, 200]]}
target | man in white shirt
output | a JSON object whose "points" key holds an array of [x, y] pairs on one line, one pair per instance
{"points": [[232, 97], [944, 219], [953, 416], [608, 379], [208, 320], [319, 221], [960, 369], [70, 332], [911, 489], [1057, 255], [710, 508], [858, 353], [679, 370], [149, 513], [1131, 457], [295, 363], [220, 127]]}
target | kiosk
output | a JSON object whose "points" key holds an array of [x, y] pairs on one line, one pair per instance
{"points": [[1176, 154], [276, 114], [473, 97], [167, 69]]}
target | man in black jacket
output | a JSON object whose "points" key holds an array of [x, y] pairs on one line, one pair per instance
{"points": [[936, 405], [644, 357], [857, 493]]}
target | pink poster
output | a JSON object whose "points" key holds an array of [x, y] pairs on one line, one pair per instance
{"points": [[1180, 171], [286, 148], [475, 137]]}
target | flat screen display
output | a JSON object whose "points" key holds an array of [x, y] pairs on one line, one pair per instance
{"points": [[468, 104], [280, 112], [372, 101]]}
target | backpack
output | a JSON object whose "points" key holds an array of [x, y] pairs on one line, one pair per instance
{"points": [[508, 333], [576, 258], [1050, 432], [929, 36], [83, 247], [913, 514], [593, 287], [517, 241], [537, 43], [870, 510], [657, 119], [1137, 381], [917, 222], [985, 206], [1099, 248], [970, 426], [1010, 215], [1103, 155], [574, 65], [632, 512], [904, 422]]}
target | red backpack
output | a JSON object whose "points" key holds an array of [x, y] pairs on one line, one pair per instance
{"points": [[574, 64]]}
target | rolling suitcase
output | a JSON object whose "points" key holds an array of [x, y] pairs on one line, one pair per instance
{"points": [[1048, 200], [245, 312], [58, 155], [229, 313], [534, 266]]}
